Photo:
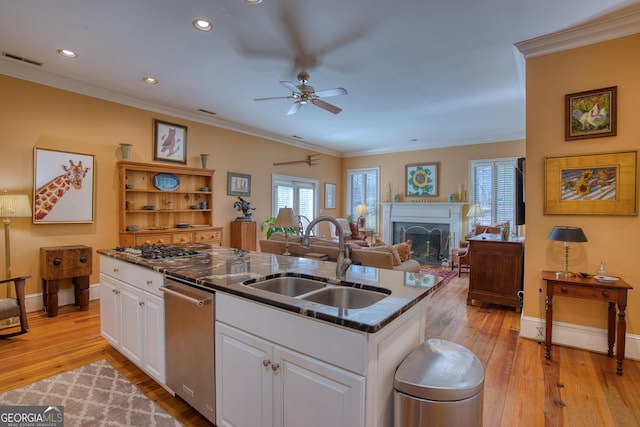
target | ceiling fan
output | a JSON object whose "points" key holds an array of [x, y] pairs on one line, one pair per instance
{"points": [[303, 93]]}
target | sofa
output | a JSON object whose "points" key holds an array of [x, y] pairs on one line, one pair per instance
{"points": [[386, 256]]}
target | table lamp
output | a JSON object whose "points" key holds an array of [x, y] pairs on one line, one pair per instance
{"points": [[12, 206], [566, 235], [286, 219], [362, 211], [475, 212]]}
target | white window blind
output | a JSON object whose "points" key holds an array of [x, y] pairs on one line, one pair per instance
{"points": [[294, 192], [493, 187], [364, 187]]}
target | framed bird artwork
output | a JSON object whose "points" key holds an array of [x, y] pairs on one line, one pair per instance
{"points": [[591, 114], [169, 142]]}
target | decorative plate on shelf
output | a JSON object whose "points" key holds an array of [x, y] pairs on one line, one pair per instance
{"points": [[605, 278], [166, 181]]}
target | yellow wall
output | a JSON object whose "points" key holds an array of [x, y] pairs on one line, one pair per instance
{"points": [[39, 116], [453, 167], [610, 238]]}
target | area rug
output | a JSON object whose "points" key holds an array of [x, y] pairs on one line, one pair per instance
{"points": [[92, 395], [446, 275]]}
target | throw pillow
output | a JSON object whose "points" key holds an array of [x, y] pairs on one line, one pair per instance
{"points": [[404, 250], [391, 249], [379, 242], [354, 229]]}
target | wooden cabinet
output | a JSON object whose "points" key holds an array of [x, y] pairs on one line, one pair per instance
{"points": [[243, 235], [496, 270], [162, 204], [263, 384], [132, 314]]}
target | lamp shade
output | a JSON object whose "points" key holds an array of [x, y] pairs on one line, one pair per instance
{"points": [[362, 209], [14, 205], [567, 234], [285, 219], [475, 211]]}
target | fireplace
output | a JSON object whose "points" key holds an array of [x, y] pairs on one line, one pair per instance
{"points": [[431, 226], [430, 242]]}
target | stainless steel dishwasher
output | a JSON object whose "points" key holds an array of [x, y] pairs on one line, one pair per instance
{"points": [[189, 323]]}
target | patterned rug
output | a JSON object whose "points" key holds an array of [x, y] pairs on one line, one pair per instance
{"points": [[93, 394], [446, 274]]}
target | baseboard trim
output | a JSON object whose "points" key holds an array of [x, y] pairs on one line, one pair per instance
{"points": [[571, 335], [33, 302]]}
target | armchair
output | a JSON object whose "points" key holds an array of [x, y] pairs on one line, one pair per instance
{"points": [[460, 255], [15, 307], [350, 231]]}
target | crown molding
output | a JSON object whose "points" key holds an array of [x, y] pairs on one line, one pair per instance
{"points": [[618, 24], [34, 74]]}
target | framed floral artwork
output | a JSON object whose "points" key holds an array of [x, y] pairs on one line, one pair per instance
{"points": [[594, 184], [422, 180]]}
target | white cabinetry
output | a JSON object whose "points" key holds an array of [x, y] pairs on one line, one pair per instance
{"points": [[132, 314], [276, 368], [264, 384]]}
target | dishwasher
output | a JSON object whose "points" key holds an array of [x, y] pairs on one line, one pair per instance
{"points": [[189, 341]]}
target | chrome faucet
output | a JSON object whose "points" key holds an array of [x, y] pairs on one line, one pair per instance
{"points": [[344, 262]]}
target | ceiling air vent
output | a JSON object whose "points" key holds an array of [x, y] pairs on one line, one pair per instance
{"points": [[206, 111], [21, 59]]}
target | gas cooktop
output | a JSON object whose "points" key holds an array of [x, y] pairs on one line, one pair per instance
{"points": [[157, 251]]}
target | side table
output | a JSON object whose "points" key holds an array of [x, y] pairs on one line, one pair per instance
{"points": [[65, 262], [589, 288]]}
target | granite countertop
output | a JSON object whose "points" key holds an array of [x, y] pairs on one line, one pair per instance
{"points": [[225, 269]]}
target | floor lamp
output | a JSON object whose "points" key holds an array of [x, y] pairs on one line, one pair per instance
{"points": [[12, 206]]}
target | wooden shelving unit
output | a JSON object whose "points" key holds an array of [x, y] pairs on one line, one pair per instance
{"points": [[182, 213]]}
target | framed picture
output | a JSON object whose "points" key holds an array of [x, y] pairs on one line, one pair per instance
{"points": [[63, 187], [591, 114], [329, 196], [169, 142], [238, 184], [595, 184], [422, 180]]}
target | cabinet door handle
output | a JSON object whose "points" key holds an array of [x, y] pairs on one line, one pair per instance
{"points": [[605, 294], [149, 282], [563, 289], [115, 270], [266, 362], [275, 367], [141, 303]]}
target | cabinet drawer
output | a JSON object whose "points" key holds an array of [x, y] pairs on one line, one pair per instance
{"points": [[586, 292], [151, 282], [120, 270], [208, 235], [153, 239], [182, 237]]}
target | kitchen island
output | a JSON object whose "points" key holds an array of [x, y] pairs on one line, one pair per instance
{"points": [[283, 360]]}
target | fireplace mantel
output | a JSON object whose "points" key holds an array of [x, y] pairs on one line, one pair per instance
{"points": [[429, 212]]}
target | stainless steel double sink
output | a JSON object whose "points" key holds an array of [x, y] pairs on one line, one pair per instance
{"points": [[321, 292]]}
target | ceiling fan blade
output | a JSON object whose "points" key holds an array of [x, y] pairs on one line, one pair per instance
{"points": [[294, 108], [273, 97], [331, 92], [293, 88], [326, 106]]}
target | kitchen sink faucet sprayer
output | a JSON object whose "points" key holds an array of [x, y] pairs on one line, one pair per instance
{"points": [[344, 261]]}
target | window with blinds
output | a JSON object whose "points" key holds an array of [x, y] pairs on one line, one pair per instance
{"points": [[297, 193], [364, 187], [493, 187]]}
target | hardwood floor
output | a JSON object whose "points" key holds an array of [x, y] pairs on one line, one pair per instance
{"points": [[522, 388]]}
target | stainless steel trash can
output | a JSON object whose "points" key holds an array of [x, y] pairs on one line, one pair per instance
{"points": [[439, 384]]}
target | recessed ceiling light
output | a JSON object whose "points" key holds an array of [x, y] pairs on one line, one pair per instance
{"points": [[413, 139], [67, 53], [253, 1], [202, 24], [150, 80]]}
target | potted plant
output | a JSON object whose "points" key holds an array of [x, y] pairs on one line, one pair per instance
{"points": [[267, 225]]}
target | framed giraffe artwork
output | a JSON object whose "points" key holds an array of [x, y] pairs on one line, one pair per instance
{"points": [[63, 187], [169, 142]]}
